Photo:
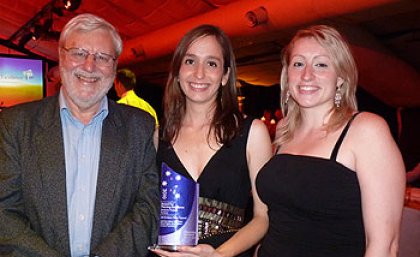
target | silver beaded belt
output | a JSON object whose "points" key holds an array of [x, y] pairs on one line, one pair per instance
{"points": [[218, 217]]}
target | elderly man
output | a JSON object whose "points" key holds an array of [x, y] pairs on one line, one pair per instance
{"points": [[77, 171]]}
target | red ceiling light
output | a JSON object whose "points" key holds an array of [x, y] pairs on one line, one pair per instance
{"points": [[257, 16]]}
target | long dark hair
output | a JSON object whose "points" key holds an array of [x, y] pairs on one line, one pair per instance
{"points": [[227, 118]]}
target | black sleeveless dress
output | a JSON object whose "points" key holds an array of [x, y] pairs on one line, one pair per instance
{"points": [[225, 177], [314, 207]]}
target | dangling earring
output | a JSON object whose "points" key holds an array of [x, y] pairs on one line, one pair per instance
{"points": [[287, 97], [337, 98]]}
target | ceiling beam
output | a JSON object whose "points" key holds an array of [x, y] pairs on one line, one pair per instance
{"points": [[233, 19]]}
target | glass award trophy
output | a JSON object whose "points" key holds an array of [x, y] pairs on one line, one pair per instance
{"points": [[179, 211]]}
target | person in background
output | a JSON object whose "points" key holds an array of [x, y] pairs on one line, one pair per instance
{"points": [[269, 122], [124, 83], [414, 174], [53, 81], [266, 118], [78, 172], [336, 184], [278, 115], [206, 138], [412, 192]]}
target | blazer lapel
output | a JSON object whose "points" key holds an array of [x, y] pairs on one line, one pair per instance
{"points": [[108, 175], [50, 149]]}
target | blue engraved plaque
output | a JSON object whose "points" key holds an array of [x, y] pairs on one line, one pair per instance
{"points": [[179, 210]]}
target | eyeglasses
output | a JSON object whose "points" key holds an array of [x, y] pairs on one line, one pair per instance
{"points": [[80, 55]]}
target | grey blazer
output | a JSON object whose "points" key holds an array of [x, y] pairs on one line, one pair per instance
{"points": [[33, 206]]}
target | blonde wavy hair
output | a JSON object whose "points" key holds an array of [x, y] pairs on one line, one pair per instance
{"points": [[345, 66]]}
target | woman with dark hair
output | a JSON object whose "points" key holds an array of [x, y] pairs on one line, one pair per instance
{"points": [[206, 138], [336, 184]]}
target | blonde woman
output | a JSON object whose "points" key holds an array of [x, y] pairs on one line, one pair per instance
{"points": [[336, 184]]}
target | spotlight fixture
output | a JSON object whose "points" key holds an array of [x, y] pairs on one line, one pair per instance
{"points": [[40, 26], [58, 11], [257, 16], [71, 5], [24, 39], [37, 32]]}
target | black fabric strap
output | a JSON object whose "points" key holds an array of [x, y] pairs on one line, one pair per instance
{"points": [[341, 138]]}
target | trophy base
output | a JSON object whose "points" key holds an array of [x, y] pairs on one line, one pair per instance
{"points": [[169, 248]]}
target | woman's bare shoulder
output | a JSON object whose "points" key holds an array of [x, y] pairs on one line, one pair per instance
{"points": [[367, 123]]}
